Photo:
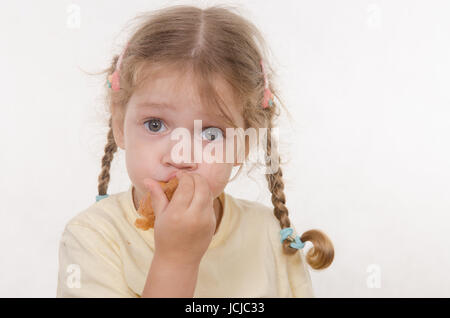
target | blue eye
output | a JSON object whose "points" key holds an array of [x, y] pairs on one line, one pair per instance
{"points": [[212, 133], [154, 125]]}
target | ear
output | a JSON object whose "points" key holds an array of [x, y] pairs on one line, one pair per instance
{"points": [[117, 127]]}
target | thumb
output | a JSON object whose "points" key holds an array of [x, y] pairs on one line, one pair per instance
{"points": [[158, 197]]}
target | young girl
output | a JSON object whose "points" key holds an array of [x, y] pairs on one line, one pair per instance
{"points": [[185, 64]]}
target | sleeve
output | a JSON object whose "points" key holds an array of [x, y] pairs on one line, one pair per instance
{"points": [[89, 267], [298, 273]]}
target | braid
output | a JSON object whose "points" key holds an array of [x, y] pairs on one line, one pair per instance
{"points": [[110, 149], [322, 253], [276, 187]]}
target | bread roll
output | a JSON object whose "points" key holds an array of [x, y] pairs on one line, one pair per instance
{"points": [[145, 205]]}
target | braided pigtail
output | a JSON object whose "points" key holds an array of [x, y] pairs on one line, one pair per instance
{"points": [[110, 149], [321, 255]]}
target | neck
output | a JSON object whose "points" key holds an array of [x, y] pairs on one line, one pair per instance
{"points": [[218, 210]]}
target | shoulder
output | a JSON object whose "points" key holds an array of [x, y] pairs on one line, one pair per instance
{"points": [[104, 216], [264, 225], [256, 212], [261, 217], [248, 206], [91, 245]]}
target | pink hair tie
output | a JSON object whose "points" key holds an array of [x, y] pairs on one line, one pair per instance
{"points": [[114, 78], [268, 96]]}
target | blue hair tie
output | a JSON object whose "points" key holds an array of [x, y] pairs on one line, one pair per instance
{"points": [[99, 197], [286, 232]]}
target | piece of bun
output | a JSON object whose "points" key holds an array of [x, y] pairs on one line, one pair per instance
{"points": [[145, 205]]}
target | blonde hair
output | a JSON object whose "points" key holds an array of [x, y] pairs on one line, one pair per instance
{"points": [[211, 42]]}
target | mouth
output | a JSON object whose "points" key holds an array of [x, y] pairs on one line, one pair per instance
{"points": [[171, 176]]}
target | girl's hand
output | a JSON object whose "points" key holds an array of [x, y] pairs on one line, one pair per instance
{"points": [[184, 227]]}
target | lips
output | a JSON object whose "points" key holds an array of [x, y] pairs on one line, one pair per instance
{"points": [[172, 175]]}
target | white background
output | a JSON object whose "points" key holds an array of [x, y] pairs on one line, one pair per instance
{"points": [[367, 83]]}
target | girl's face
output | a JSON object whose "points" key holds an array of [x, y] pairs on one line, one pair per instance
{"points": [[163, 103]]}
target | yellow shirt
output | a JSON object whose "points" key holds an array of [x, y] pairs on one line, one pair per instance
{"points": [[102, 254]]}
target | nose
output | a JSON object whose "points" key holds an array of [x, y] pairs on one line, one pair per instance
{"points": [[179, 160], [181, 166]]}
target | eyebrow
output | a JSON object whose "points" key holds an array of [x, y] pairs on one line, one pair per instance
{"points": [[162, 105], [157, 105]]}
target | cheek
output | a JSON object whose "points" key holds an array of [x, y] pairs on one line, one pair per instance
{"points": [[234, 149], [141, 160], [141, 157], [217, 175]]}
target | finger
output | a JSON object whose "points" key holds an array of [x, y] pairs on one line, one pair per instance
{"points": [[158, 197], [185, 190], [202, 194]]}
